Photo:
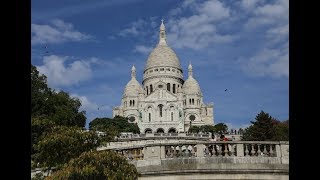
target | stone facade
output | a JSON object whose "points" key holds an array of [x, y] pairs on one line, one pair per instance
{"points": [[164, 102]]}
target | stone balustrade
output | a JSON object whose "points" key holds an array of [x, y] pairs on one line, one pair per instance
{"points": [[181, 158], [130, 137], [166, 149]]}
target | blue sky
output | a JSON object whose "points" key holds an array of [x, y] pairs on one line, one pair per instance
{"points": [[87, 48]]}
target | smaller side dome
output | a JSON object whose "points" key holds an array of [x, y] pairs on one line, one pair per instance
{"points": [[133, 88], [191, 86]]}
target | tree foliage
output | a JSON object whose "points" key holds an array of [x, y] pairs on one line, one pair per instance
{"points": [[194, 129], [266, 128], [220, 128], [97, 165], [114, 126], [58, 146], [39, 126], [281, 131], [55, 106], [39, 92]]}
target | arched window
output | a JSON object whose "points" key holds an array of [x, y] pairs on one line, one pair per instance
{"points": [[132, 119], [148, 130], [192, 118], [151, 89], [168, 86], [198, 101], [171, 116], [130, 102], [133, 103], [149, 117], [174, 88], [172, 130], [192, 101], [147, 90], [160, 109]]}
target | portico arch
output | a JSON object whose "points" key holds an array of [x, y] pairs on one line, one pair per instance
{"points": [[147, 130], [172, 130], [160, 130]]}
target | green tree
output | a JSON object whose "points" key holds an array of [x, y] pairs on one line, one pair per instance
{"points": [[64, 110], [39, 92], [240, 131], [221, 128], [208, 128], [261, 130], [56, 106], [39, 125], [114, 126], [97, 165], [58, 146], [194, 129], [281, 131]]}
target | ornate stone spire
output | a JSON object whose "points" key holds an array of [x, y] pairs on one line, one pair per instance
{"points": [[162, 34], [190, 73], [133, 72]]}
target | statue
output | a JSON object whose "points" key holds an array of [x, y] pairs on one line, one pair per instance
{"points": [[140, 115], [181, 115]]}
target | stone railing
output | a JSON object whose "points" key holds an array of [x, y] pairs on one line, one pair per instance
{"points": [[163, 149], [130, 137]]}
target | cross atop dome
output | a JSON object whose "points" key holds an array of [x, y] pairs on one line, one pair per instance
{"points": [[133, 72], [190, 73], [162, 39]]}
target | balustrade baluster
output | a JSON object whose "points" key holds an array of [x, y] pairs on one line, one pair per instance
{"points": [[265, 152], [253, 150], [140, 154], [247, 150], [219, 147], [258, 149], [174, 152], [271, 152], [232, 150], [180, 151], [226, 152], [206, 151], [193, 152]]}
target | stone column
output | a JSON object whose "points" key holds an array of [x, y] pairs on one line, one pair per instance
{"points": [[240, 152], [200, 149], [284, 145], [278, 150], [162, 152]]}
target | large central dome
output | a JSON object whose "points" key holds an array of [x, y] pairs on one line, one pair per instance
{"points": [[162, 55]]}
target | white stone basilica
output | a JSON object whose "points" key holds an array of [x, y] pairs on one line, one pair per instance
{"points": [[166, 103]]}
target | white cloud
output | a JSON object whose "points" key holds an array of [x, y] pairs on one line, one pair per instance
{"points": [[249, 4], [272, 59], [268, 62], [142, 49], [280, 30], [58, 32], [90, 106], [61, 74], [215, 10], [198, 30], [269, 14], [135, 28]]}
